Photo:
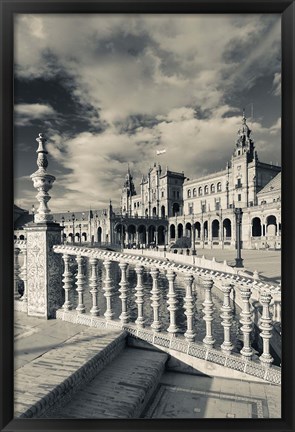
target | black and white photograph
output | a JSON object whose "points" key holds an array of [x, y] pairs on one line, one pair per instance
{"points": [[147, 216]]}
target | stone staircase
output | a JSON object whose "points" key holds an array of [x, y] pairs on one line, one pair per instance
{"points": [[121, 390], [90, 375]]}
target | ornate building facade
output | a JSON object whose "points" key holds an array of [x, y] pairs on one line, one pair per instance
{"points": [[173, 210]]}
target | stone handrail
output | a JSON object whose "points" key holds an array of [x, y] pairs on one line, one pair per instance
{"points": [[131, 257], [259, 367]]}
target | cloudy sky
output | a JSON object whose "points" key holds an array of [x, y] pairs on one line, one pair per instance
{"points": [[108, 90]]}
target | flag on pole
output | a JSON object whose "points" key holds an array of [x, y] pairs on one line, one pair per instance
{"points": [[159, 152]]}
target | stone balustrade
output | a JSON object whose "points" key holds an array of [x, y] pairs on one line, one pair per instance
{"points": [[20, 274], [152, 329], [171, 271]]}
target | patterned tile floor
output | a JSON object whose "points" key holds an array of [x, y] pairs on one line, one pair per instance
{"points": [[191, 396]]}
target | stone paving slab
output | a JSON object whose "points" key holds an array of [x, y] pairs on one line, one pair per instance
{"points": [[191, 396], [121, 390], [35, 336], [266, 262], [58, 365]]}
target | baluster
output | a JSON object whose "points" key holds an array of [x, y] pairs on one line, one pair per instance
{"points": [[226, 316], [246, 321], [189, 308], [67, 282], [279, 310], [124, 317], [80, 285], [156, 325], [172, 302], [277, 307], [108, 291], [208, 311], [93, 283], [139, 297], [266, 329], [24, 275], [16, 273]]}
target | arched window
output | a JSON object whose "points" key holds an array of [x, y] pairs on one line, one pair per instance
{"points": [[212, 188], [194, 192], [188, 193], [200, 191], [206, 190], [219, 187]]}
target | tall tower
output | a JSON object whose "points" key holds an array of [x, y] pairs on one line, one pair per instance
{"points": [[128, 191], [243, 164], [244, 143]]}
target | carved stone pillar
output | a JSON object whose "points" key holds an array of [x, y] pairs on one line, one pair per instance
{"points": [[67, 282], [189, 308], [124, 317], [139, 296], [108, 291], [16, 273], [172, 302], [156, 325], [24, 275], [226, 316], [208, 311], [80, 285], [266, 329], [93, 283], [44, 269], [246, 321]]}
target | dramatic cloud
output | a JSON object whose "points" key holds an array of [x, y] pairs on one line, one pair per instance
{"points": [[25, 114], [140, 83]]}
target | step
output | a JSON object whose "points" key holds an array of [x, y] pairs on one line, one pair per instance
{"points": [[59, 373], [121, 390]]}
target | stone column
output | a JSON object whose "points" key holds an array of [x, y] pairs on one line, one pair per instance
{"points": [[80, 285], [93, 283], [189, 308], [156, 236], [108, 291], [67, 282], [208, 311], [156, 325], [16, 273], [139, 296], [266, 329], [44, 267], [226, 316], [246, 321], [172, 302], [193, 245], [124, 317]]}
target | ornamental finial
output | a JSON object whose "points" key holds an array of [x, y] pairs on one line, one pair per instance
{"points": [[42, 182]]}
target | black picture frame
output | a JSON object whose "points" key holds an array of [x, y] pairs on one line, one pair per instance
{"points": [[11, 7]]}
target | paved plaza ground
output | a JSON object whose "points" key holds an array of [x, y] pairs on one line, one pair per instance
{"points": [[266, 262], [40, 363]]}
